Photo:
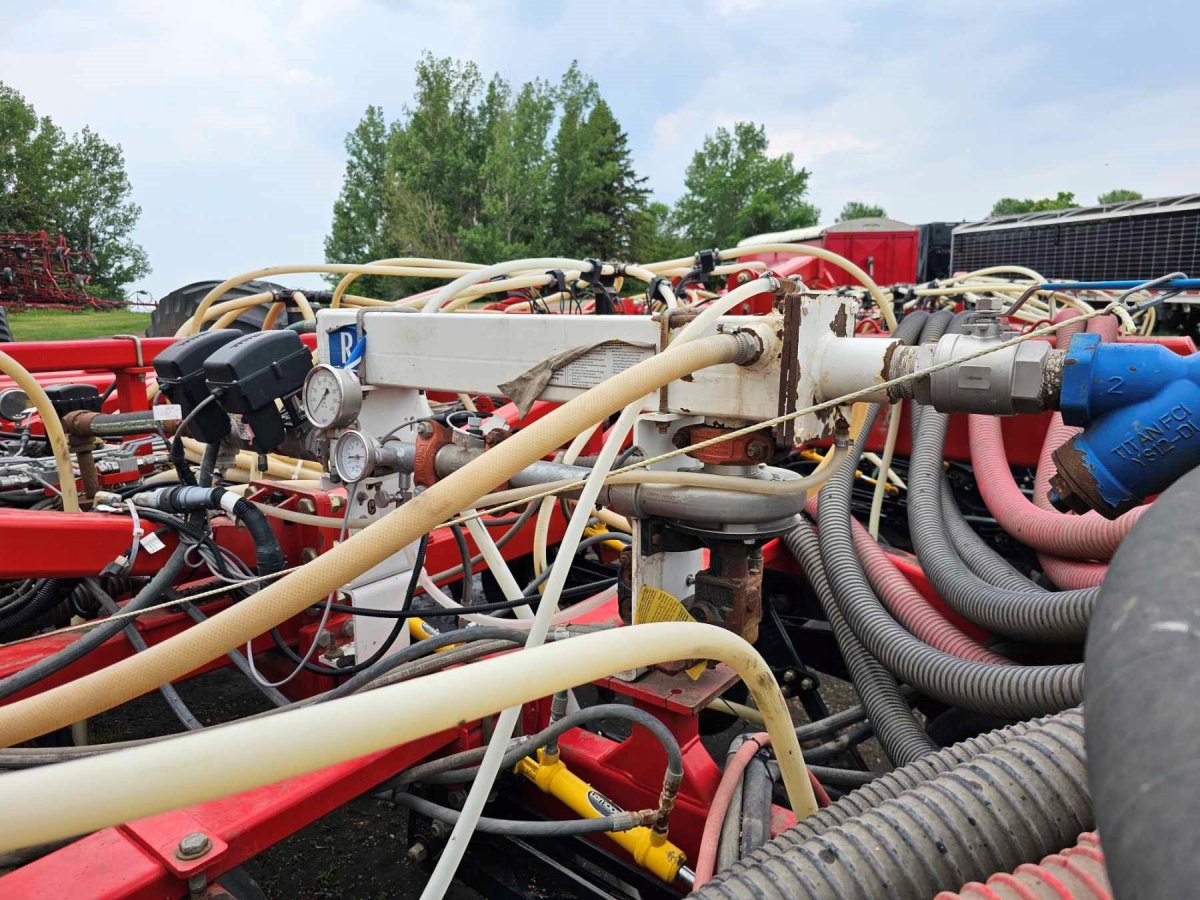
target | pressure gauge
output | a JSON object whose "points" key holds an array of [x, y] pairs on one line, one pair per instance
{"points": [[332, 396], [355, 456]]}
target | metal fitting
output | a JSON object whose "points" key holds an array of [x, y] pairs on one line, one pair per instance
{"points": [[193, 846], [750, 347], [1004, 382]]}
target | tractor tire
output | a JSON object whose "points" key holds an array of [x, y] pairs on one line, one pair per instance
{"points": [[6, 335], [178, 306]]}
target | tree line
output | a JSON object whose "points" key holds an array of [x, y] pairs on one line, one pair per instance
{"points": [[75, 185], [484, 171]]}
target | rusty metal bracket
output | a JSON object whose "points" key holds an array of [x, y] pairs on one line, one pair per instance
{"points": [[789, 368]]}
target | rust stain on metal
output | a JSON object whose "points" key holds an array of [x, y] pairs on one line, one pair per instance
{"points": [[838, 325]]}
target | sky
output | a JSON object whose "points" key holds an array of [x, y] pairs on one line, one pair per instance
{"points": [[232, 115]]}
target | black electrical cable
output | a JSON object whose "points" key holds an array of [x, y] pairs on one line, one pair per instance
{"points": [[417, 650], [467, 581], [168, 691], [531, 588], [463, 766], [92, 639], [393, 636], [582, 590], [178, 458]]}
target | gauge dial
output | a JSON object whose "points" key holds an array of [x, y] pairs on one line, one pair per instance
{"points": [[355, 456], [332, 396]]}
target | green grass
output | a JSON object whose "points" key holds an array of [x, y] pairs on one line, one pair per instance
{"points": [[63, 324]]}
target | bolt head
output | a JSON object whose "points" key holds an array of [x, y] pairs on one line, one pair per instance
{"points": [[193, 845], [417, 853], [425, 429]]}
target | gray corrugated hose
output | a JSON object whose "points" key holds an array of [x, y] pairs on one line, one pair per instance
{"points": [[1013, 804]]}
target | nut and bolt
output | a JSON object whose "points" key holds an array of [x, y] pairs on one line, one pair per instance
{"points": [[756, 450], [348, 628], [807, 684], [425, 429], [193, 846], [306, 506], [418, 853], [324, 639]]}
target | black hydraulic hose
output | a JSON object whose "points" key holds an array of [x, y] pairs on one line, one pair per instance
{"points": [[842, 778], [1024, 797], [1142, 716], [184, 498], [441, 612], [178, 708], [1046, 617], [516, 828], [756, 807], [591, 539], [463, 766], [839, 745], [464, 553], [56, 662], [1010, 691], [417, 650], [40, 600], [902, 738]]}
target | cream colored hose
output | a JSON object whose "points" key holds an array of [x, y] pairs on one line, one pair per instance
{"points": [[54, 431], [115, 787], [293, 593]]}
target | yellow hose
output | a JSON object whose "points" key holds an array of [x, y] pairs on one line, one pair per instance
{"points": [[175, 657], [54, 431], [112, 788]]}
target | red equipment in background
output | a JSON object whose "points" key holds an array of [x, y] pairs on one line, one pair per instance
{"points": [[35, 270], [883, 248]]}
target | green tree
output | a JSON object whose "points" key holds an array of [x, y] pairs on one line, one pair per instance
{"points": [[610, 193], [77, 187], [435, 152], [855, 209], [655, 237], [1118, 195], [576, 94], [1011, 206], [359, 213], [735, 188], [516, 168], [29, 148], [93, 207]]}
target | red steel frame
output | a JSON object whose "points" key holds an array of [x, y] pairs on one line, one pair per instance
{"points": [[136, 860]]}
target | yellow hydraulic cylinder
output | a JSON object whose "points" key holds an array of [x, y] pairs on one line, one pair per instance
{"points": [[648, 848]]}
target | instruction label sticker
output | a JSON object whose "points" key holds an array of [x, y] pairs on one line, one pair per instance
{"points": [[168, 412], [599, 365], [656, 605]]}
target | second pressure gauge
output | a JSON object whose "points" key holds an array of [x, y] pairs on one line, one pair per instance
{"points": [[332, 396], [355, 456]]}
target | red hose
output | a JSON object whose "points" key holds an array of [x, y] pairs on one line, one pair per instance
{"points": [[706, 858], [1077, 873], [1076, 537], [819, 791], [909, 606]]}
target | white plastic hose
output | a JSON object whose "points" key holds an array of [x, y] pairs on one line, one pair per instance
{"points": [[496, 563], [541, 528], [454, 288], [883, 302], [295, 592], [54, 431], [506, 722], [194, 768]]}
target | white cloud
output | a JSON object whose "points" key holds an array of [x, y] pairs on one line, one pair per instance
{"points": [[232, 114]]}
